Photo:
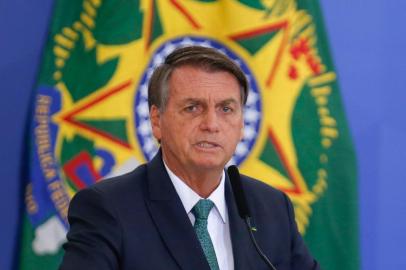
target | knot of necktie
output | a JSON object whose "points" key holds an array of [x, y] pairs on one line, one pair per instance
{"points": [[202, 209]]}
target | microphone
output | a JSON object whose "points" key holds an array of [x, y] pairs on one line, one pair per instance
{"points": [[243, 209], [239, 194]]}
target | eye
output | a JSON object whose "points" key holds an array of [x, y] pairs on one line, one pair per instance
{"points": [[227, 109], [191, 108]]}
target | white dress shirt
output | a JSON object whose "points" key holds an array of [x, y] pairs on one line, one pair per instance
{"points": [[217, 222]]}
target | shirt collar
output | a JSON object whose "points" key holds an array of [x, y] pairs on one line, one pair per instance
{"points": [[189, 197]]}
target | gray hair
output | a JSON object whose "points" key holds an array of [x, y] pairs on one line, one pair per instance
{"points": [[201, 57]]}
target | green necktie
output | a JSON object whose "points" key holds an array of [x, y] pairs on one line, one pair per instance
{"points": [[201, 211]]}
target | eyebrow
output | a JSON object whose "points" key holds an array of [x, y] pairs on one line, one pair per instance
{"points": [[199, 100], [229, 101]]}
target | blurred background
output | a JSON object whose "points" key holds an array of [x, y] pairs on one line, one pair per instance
{"points": [[368, 45]]}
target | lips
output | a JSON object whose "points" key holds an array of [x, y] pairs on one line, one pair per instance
{"points": [[207, 145]]}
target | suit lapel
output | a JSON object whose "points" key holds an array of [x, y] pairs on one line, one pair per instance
{"points": [[242, 246], [171, 219]]}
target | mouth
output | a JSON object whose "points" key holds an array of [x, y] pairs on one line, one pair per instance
{"points": [[207, 145]]}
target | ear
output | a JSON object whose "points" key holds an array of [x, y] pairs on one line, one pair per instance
{"points": [[242, 125], [155, 116], [242, 131]]}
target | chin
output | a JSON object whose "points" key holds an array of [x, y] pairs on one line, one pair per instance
{"points": [[210, 164]]}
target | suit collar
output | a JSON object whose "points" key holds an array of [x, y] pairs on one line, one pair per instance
{"points": [[189, 197], [242, 246], [159, 185], [171, 219], [176, 230]]}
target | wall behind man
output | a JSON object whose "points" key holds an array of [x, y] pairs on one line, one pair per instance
{"points": [[368, 44]]}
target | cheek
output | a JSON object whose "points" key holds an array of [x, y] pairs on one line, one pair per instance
{"points": [[173, 131], [238, 129], [233, 133]]}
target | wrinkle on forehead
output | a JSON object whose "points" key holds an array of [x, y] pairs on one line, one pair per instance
{"points": [[206, 85]]}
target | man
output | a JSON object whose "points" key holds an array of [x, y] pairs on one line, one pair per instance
{"points": [[178, 211]]}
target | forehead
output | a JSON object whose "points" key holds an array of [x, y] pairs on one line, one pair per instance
{"points": [[190, 81]]}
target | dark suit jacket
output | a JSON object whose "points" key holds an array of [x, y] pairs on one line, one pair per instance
{"points": [[137, 221]]}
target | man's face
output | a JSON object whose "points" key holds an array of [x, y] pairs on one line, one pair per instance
{"points": [[202, 122]]}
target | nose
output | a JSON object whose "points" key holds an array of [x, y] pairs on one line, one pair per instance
{"points": [[210, 121]]}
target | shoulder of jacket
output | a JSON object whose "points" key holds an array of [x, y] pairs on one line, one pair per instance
{"points": [[254, 187]]}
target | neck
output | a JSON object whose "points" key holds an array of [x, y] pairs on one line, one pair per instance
{"points": [[202, 181]]}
